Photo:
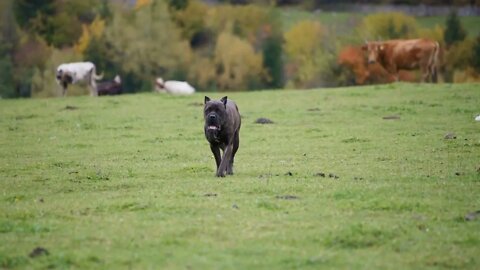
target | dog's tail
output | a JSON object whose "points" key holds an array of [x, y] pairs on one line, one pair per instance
{"points": [[95, 76]]}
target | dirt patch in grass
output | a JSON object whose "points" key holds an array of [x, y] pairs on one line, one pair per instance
{"points": [[70, 108], [38, 251], [263, 120], [391, 117], [287, 197]]}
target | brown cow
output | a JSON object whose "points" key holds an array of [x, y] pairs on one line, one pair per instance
{"points": [[395, 55], [354, 59]]}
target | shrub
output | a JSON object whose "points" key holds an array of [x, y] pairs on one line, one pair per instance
{"points": [[388, 26], [458, 57]]}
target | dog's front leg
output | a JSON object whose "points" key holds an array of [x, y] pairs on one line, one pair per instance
{"points": [[227, 155]]}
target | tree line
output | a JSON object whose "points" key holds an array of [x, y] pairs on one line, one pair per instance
{"points": [[221, 47]]}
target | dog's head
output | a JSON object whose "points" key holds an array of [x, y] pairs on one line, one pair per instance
{"points": [[59, 75], [64, 77], [215, 114]]}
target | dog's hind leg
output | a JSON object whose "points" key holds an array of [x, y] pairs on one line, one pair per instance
{"points": [[93, 89], [236, 144]]}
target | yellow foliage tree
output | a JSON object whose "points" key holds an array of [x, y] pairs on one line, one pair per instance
{"points": [[192, 18], [148, 43], [303, 47], [94, 30], [202, 72], [142, 3], [391, 25], [245, 20], [236, 62], [83, 41], [435, 33]]}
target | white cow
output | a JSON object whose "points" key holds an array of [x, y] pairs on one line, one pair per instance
{"points": [[79, 72], [173, 87]]}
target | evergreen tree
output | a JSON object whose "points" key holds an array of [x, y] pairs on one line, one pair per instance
{"points": [[27, 10], [454, 30], [272, 61], [178, 4]]}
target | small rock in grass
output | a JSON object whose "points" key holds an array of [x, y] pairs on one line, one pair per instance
{"points": [[473, 215], [450, 136], [262, 120]]}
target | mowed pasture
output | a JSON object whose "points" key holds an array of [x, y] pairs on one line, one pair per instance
{"points": [[348, 178]]}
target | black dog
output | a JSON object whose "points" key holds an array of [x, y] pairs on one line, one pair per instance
{"points": [[222, 129]]}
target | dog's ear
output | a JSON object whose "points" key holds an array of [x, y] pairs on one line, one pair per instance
{"points": [[224, 101], [207, 99]]}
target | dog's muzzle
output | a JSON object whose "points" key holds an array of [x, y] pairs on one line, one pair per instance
{"points": [[212, 120]]}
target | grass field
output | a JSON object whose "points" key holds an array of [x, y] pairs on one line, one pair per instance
{"points": [[128, 181]]}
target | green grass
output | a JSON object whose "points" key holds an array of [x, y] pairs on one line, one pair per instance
{"points": [[128, 181]]}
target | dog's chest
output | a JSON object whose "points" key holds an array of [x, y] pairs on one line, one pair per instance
{"points": [[216, 138]]}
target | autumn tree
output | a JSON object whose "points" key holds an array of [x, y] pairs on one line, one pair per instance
{"points": [[238, 66], [388, 26], [309, 57], [146, 44]]}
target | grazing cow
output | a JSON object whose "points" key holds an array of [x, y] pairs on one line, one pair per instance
{"points": [[353, 58], [395, 55], [173, 87], [110, 87], [79, 72]]}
